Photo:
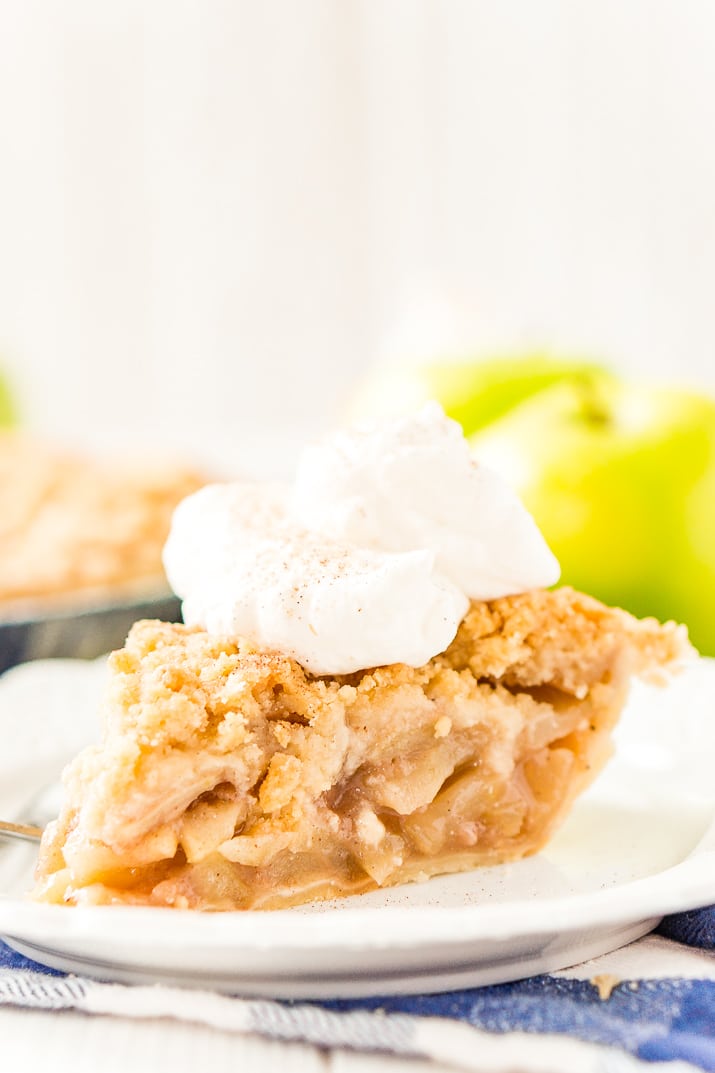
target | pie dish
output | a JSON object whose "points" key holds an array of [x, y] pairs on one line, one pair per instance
{"points": [[229, 777]]}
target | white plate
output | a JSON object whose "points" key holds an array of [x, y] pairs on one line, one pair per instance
{"points": [[640, 844]]}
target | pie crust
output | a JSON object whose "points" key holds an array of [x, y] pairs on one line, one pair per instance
{"points": [[230, 778]]}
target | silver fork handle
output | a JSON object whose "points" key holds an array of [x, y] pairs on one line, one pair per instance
{"points": [[26, 832]]}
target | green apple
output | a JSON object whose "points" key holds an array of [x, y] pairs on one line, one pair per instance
{"points": [[619, 476], [7, 408], [472, 392]]}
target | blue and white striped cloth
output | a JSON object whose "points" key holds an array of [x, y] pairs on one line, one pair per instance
{"points": [[651, 1003]]}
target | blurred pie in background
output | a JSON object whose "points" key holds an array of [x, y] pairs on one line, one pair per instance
{"points": [[80, 548], [69, 524]]}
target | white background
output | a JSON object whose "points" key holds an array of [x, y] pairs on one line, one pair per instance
{"points": [[213, 212]]}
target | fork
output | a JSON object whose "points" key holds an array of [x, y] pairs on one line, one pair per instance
{"points": [[26, 832], [43, 807]]}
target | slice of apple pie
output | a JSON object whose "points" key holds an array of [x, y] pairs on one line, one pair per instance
{"points": [[231, 778]]}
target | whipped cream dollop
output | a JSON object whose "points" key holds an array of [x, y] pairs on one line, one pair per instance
{"points": [[370, 557]]}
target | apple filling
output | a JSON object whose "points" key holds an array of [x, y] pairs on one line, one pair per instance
{"points": [[230, 778]]}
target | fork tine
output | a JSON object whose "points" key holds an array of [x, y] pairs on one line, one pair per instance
{"points": [[27, 832]]}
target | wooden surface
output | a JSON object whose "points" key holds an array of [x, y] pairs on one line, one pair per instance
{"points": [[76, 1043]]}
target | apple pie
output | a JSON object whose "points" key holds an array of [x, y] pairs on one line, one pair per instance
{"points": [[71, 525], [229, 777]]}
